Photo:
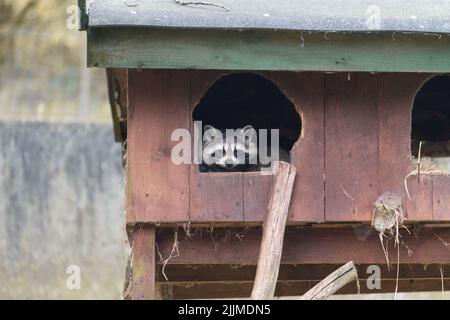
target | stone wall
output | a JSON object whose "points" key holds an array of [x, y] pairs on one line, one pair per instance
{"points": [[61, 204]]}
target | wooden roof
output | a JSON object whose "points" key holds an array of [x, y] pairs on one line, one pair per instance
{"points": [[302, 35]]}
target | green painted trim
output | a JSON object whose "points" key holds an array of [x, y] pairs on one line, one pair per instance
{"points": [[267, 50]]}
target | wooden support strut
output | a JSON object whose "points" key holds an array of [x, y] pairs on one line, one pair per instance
{"points": [[273, 232], [141, 274], [333, 283]]}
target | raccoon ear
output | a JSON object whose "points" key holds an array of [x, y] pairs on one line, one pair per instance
{"points": [[248, 128], [209, 133], [249, 131]]}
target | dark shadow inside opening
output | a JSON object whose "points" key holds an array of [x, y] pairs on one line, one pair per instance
{"points": [[241, 99]]}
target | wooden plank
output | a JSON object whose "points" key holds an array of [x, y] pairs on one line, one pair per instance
{"points": [[419, 204], [332, 283], [441, 197], [310, 272], [350, 146], [305, 91], [158, 188], [143, 275], [307, 246], [396, 94], [214, 197], [175, 48], [256, 187], [293, 288]]}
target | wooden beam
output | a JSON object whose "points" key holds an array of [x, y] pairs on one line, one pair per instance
{"points": [[157, 187], [292, 288], [142, 275], [350, 133], [273, 232], [165, 48], [307, 246], [310, 272]]}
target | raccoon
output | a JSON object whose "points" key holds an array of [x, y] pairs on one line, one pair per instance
{"points": [[236, 152]]}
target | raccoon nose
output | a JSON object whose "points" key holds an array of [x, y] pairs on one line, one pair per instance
{"points": [[229, 163]]}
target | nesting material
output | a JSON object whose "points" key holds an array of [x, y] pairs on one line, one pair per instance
{"points": [[387, 219], [432, 165], [387, 213]]}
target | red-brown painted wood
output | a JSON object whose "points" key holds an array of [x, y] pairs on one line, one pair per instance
{"points": [[308, 246], [365, 146], [256, 188], [289, 272], [158, 189], [419, 204], [305, 91], [396, 93], [441, 197], [143, 266], [350, 146]]}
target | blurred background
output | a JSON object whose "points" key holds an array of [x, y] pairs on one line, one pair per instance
{"points": [[61, 188]]}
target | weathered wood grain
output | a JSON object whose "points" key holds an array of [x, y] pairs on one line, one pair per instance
{"points": [[143, 263], [256, 187], [158, 189], [355, 134], [419, 204], [288, 272], [292, 288], [175, 48], [396, 94], [308, 246], [441, 197], [332, 283], [273, 232], [351, 146]]}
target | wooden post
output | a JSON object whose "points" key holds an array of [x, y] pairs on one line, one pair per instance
{"points": [[141, 278], [273, 232], [335, 281]]}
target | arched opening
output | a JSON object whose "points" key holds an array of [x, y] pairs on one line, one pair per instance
{"points": [[241, 100], [430, 135]]}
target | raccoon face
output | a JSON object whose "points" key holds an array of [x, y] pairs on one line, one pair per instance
{"points": [[231, 148]]}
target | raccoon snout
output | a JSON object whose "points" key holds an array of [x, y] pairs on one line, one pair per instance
{"points": [[230, 163]]}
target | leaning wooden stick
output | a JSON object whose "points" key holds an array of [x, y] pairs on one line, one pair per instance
{"points": [[335, 281], [273, 232]]}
